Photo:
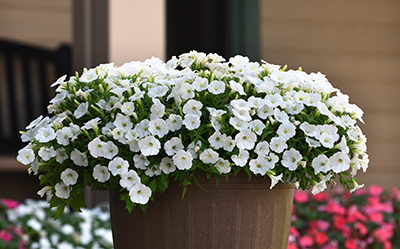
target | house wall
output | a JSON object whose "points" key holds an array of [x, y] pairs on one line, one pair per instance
{"points": [[46, 23], [356, 45]]}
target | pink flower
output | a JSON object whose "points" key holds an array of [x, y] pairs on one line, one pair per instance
{"points": [[321, 239], [376, 217], [339, 222], [321, 197], [351, 244], [292, 246], [375, 190], [331, 245], [294, 232], [10, 204], [323, 225], [333, 207], [306, 241], [384, 233], [396, 193], [362, 229], [6, 236], [353, 214], [300, 197]]}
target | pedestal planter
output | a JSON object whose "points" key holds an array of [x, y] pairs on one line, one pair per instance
{"points": [[234, 214]]}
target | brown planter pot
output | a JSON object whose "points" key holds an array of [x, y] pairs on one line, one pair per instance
{"points": [[235, 214]]}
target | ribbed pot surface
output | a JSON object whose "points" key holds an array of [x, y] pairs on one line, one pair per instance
{"points": [[235, 214]]}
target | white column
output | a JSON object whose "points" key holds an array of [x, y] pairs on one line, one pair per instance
{"points": [[136, 30]]}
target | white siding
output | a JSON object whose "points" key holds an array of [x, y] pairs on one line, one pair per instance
{"points": [[356, 44]]}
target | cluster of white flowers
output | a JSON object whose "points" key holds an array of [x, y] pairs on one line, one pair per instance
{"points": [[89, 229], [146, 120]]}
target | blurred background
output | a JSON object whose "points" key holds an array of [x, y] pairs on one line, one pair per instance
{"points": [[355, 43]]}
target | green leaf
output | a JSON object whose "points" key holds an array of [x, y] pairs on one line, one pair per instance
{"points": [[184, 192], [153, 185], [60, 211], [196, 182], [217, 178]]}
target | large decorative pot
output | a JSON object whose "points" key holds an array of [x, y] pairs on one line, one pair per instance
{"points": [[234, 214]]}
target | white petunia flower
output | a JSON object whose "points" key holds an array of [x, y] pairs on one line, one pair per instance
{"points": [[128, 108], [257, 126], [241, 104], [241, 114], [223, 166], [217, 140], [140, 194], [88, 76], [200, 84], [140, 162], [157, 109], [118, 166], [308, 129], [26, 156], [129, 179], [69, 176], [45, 134], [158, 127], [174, 122], [312, 143], [291, 159], [278, 144], [321, 164], [110, 150], [173, 145], [153, 171], [242, 158], [81, 110], [281, 116], [101, 173], [92, 124], [183, 160], [274, 179], [342, 145], [191, 121], [326, 140], [79, 158], [259, 166], [123, 122], [262, 148], [216, 87], [157, 91], [237, 87], [321, 186], [273, 100], [61, 155], [119, 134], [186, 91], [62, 191], [245, 139], [63, 135], [149, 146], [265, 111], [96, 147], [167, 165], [47, 153], [192, 107], [339, 162], [286, 130], [229, 143], [209, 156], [238, 123], [142, 129]]}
